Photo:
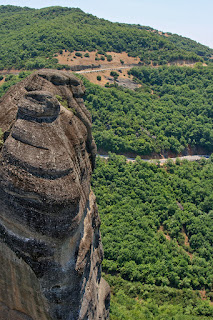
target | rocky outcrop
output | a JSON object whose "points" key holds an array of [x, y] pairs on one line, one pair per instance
{"points": [[50, 243]]}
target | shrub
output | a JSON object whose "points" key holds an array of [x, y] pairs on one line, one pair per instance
{"points": [[101, 52], [99, 78], [109, 57], [78, 54], [9, 77], [114, 74], [62, 101]]}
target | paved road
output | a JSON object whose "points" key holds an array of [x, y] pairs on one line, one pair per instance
{"points": [[189, 158], [105, 69], [16, 72]]}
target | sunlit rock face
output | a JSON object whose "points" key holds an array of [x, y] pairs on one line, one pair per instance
{"points": [[50, 244]]}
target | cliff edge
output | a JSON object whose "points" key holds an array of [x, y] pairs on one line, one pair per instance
{"points": [[50, 243]]}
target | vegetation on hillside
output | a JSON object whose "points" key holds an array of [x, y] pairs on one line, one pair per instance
{"points": [[172, 110], [35, 35], [183, 43], [191, 46], [137, 301], [157, 231], [156, 220], [10, 80]]}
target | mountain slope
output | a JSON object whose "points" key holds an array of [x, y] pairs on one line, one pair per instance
{"points": [[36, 35], [172, 111], [183, 43]]}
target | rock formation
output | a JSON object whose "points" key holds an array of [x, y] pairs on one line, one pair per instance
{"points": [[50, 244]]}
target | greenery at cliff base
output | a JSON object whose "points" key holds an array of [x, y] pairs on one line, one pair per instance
{"points": [[136, 301], [157, 232]]}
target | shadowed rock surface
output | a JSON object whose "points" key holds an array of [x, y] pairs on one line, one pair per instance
{"points": [[50, 244]]}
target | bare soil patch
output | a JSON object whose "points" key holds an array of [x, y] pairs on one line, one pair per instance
{"points": [[71, 59], [11, 71], [186, 240], [204, 296], [166, 235], [163, 34], [124, 79]]}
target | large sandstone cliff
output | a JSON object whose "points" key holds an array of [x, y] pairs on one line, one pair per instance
{"points": [[50, 244]]}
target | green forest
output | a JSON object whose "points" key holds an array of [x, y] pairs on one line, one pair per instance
{"points": [[36, 35], [171, 111], [157, 232], [183, 42]]}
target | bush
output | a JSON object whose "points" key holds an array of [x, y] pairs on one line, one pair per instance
{"points": [[78, 54], [9, 77], [99, 78], [62, 101], [101, 52], [114, 74], [86, 55], [109, 58]]}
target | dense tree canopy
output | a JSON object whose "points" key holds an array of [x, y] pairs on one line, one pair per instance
{"points": [[157, 229], [171, 111], [137, 201], [183, 42]]}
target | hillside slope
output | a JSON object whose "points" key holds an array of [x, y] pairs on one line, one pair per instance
{"points": [[170, 112], [36, 35], [157, 236], [183, 43]]}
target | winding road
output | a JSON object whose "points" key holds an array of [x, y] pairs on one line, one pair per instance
{"points": [[189, 158], [105, 69]]}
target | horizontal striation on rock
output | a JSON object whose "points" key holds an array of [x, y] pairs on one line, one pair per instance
{"points": [[49, 223]]}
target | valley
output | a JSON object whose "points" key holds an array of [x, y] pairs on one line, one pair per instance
{"points": [[150, 95]]}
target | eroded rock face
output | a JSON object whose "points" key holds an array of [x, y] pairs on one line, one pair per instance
{"points": [[50, 244]]}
